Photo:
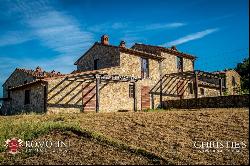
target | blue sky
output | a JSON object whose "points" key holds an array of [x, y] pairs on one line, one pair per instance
{"points": [[54, 33]]}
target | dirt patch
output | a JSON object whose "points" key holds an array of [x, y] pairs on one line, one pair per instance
{"points": [[168, 134], [81, 150], [172, 134]]}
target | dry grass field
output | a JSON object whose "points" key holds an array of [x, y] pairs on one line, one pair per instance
{"points": [[157, 137]]}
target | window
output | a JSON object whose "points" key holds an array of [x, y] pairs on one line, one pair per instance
{"points": [[179, 64], [131, 90], [96, 65], [27, 97], [9, 91], [190, 87], [202, 91], [144, 68], [233, 81]]}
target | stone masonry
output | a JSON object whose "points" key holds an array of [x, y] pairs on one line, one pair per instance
{"points": [[52, 92]]}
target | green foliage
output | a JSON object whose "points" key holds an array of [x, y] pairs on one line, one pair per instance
{"points": [[153, 110], [29, 127], [243, 69], [225, 93]]}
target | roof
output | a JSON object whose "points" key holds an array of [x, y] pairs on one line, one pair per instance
{"points": [[89, 72], [125, 50], [223, 72], [37, 73], [27, 84], [219, 72], [158, 49]]}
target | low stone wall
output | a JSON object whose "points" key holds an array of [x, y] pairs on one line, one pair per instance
{"points": [[232, 101]]}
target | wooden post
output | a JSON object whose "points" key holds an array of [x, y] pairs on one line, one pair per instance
{"points": [[97, 93], [152, 101], [135, 101], [160, 71], [45, 97], [196, 86], [220, 83]]}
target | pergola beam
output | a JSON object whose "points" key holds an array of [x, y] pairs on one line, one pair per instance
{"points": [[103, 77], [220, 82], [97, 93], [196, 85]]}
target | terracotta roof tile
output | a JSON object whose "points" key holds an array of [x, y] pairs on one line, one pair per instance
{"points": [[157, 49], [127, 50], [39, 73], [27, 84]]}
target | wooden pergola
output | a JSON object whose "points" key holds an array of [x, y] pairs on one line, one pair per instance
{"points": [[103, 77], [192, 76]]}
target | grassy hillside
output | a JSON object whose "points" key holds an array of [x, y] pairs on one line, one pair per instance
{"points": [[164, 137]]}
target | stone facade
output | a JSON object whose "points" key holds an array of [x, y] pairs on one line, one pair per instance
{"points": [[64, 95], [36, 100], [15, 87], [18, 77], [232, 82], [57, 93], [107, 56]]}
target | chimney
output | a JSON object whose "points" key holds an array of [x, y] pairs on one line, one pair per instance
{"points": [[174, 48], [105, 40], [122, 44], [38, 69]]}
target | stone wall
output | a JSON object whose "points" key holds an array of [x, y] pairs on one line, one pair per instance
{"points": [[115, 97], [36, 100], [108, 57], [169, 64], [231, 89], [15, 79], [65, 96], [208, 92], [130, 65], [232, 101], [188, 65]]}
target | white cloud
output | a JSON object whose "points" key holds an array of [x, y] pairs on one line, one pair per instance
{"points": [[14, 37], [55, 29], [155, 26], [104, 27], [190, 37], [59, 31], [126, 26], [163, 26]]}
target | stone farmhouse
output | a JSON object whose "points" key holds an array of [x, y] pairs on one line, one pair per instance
{"points": [[114, 78]]}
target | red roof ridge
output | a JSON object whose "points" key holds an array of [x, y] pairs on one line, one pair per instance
{"points": [[40, 73], [172, 50], [27, 84]]}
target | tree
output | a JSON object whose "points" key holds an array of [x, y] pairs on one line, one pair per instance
{"points": [[243, 69]]}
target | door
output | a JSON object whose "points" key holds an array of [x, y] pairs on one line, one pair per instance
{"points": [[88, 98], [145, 97]]}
